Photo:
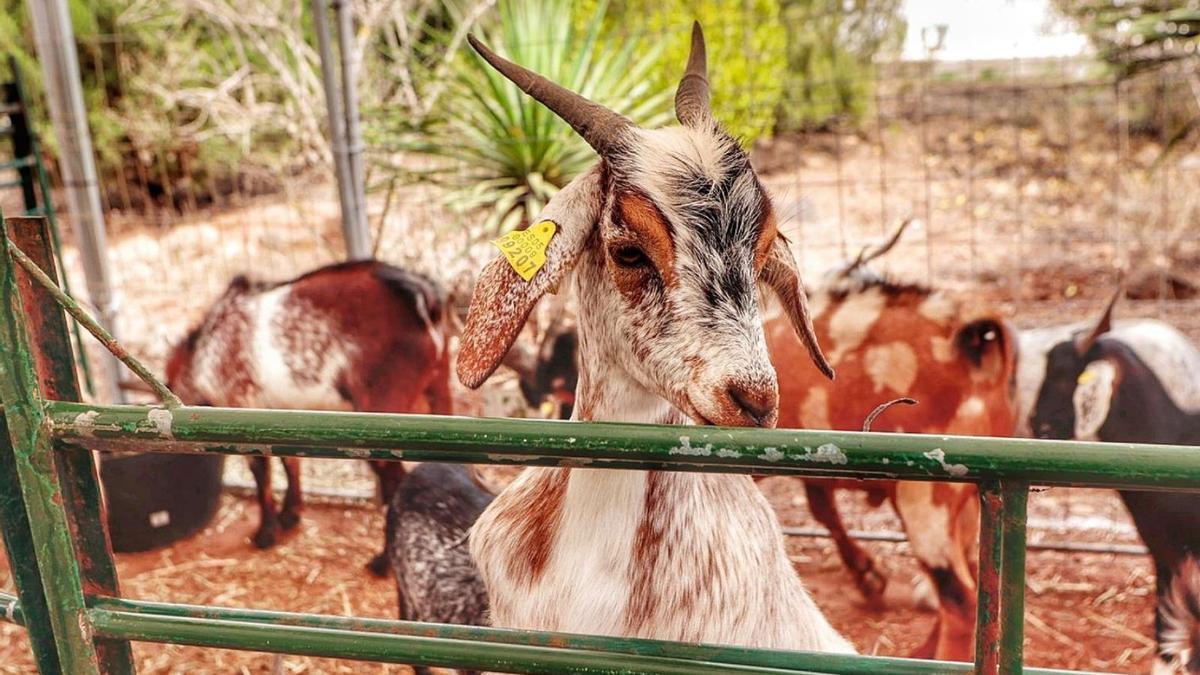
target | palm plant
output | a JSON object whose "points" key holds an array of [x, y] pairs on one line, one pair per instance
{"points": [[497, 150]]}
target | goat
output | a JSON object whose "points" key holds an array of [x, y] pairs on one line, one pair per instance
{"points": [[667, 236], [362, 336], [890, 339], [427, 525], [548, 375], [1178, 619], [1097, 387]]}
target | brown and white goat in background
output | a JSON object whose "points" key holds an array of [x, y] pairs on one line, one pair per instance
{"points": [[667, 237], [362, 336], [957, 359]]}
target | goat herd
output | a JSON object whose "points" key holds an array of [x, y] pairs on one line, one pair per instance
{"points": [[669, 237]]}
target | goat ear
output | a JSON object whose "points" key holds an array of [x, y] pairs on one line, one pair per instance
{"points": [[1092, 399], [1083, 343], [502, 300], [780, 274]]}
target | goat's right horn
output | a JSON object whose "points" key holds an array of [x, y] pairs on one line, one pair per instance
{"points": [[602, 128], [692, 106], [1084, 342]]}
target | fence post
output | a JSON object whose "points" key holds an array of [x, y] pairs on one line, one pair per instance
{"points": [[55, 38], [1012, 590], [48, 341], [341, 107], [987, 624], [41, 492], [22, 558]]}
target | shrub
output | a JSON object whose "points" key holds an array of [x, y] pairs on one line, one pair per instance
{"points": [[745, 53], [831, 48], [497, 149]]}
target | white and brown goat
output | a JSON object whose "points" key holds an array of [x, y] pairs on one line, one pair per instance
{"points": [[957, 359], [362, 336], [667, 237]]}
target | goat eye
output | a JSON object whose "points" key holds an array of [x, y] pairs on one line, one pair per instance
{"points": [[629, 256]]}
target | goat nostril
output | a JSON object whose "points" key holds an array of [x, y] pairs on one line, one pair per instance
{"points": [[758, 403]]}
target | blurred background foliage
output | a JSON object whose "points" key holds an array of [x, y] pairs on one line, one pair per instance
{"points": [[1148, 44], [832, 46], [213, 93]]}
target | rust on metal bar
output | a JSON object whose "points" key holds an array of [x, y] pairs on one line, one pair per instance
{"points": [[110, 343], [52, 357], [987, 624]]}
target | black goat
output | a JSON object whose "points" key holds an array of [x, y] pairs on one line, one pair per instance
{"points": [[1098, 388], [427, 525]]}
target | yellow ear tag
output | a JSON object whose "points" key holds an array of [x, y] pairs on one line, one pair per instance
{"points": [[526, 250], [1085, 377]]}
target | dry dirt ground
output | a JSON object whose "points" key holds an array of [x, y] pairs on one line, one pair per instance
{"points": [[1084, 611]]}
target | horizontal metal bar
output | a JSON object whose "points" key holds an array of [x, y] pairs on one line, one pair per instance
{"points": [[892, 537], [19, 163], [386, 648], [702, 656], [610, 445], [10, 609]]}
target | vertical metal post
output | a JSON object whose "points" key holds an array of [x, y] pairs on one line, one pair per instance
{"points": [[342, 107], [50, 351], [25, 142], [22, 559], [1012, 565], [60, 66], [41, 492], [360, 247], [987, 624]]}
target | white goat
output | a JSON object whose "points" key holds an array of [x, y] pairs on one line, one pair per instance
{"points": [[668, 236]]}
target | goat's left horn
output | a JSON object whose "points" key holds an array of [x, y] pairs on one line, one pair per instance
{"points": [[602, 128], [691, 98]]}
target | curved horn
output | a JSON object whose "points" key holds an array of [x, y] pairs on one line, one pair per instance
{"points": [[691, 98], [1084, 343], [600, 127]]}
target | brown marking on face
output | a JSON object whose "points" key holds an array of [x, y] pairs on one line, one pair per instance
{"points": [[647, 229], [534, 525]]}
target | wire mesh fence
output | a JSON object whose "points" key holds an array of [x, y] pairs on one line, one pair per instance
{"points": [[1032, 181]]}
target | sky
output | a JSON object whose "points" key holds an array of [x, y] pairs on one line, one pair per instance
{"points": [[989, 29]]}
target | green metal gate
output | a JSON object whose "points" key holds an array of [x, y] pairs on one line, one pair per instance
{"points": [[69, 598]]}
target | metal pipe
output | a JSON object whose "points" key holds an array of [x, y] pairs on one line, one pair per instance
{"points": [[389, 648], [10, 609], [642, 446], [358, 241], [987, 609], [608, 652], [1014, 511], [892, 537], [337, 131], [94, 327], [55, 40]]}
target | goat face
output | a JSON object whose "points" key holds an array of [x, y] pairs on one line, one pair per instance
{"points": [[1075, 397], [671, 230], [682, 242], [1054, 412]]}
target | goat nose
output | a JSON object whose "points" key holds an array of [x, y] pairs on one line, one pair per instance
{"points": [[758, 403]]}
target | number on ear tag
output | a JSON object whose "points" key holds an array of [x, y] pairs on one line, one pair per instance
{"points": [[525, 250]]}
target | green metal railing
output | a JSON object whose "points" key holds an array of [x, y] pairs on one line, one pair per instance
{"points": [[70, 601]]}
